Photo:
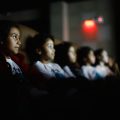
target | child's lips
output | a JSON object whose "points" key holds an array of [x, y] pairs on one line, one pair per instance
{"points": [[17, 47]]}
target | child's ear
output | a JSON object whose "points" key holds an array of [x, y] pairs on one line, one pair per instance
{"points": [[38, 51]]}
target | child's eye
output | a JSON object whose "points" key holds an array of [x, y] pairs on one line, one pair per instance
{"points": [[15, 36], [50, 46]]}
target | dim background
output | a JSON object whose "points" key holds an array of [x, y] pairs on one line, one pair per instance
{"points": [[64, 19]]}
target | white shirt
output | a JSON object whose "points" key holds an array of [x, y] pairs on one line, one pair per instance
{"points": [[49, 70], [103, 70], [68, 71], [15, 69], [88, 72]]}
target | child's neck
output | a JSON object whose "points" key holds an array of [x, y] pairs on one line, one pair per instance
{"points": [[45, 61], [102, 63], [88, 64], [7, 57]]}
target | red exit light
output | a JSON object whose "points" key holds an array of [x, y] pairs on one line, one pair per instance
{"points": [[89, 28]]}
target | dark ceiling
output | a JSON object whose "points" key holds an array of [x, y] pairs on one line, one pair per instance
{"points": [[18, 5]]}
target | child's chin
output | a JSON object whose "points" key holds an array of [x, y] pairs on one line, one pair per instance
{"points": [[15, 52]]}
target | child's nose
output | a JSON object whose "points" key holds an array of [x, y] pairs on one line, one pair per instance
{"points": [[19, 42]]}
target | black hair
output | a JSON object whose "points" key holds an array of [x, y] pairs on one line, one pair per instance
{"points": [[5, 27], [82, 53], [61, 53], [98, 54], [41, 39], [35, 42]]}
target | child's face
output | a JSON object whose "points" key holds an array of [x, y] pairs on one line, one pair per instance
{"points": [[13, 42], [72, 54], [48, 51], [105, 56], [91, 57]]}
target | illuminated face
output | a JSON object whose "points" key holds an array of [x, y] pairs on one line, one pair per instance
{"points": [[72, 54], [105, 57], [13, 42], [48, 51], [91, 57]]}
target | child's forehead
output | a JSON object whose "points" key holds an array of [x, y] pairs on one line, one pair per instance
{"points": [[14, 30], [49, 40], [91, 52]]}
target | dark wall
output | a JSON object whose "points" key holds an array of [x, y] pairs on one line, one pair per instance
{"points": [[43, 23], [116, 9]]}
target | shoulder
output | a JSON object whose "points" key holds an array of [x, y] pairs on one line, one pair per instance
{"points": [[84, 67], [55, 65], [88, 68], [38, 64], [66, 67]]}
